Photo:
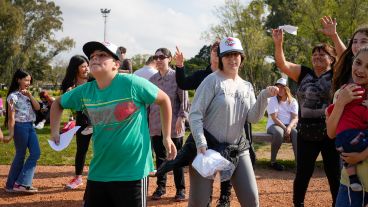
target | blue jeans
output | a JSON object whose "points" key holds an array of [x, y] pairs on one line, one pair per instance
{"points": [[355, 197], [22, 172]]}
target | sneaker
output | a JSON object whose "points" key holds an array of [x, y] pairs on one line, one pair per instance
{"points": [[87, 131], [152, 174], [74, 183], [24, 189], [180, 195], [223, 201], [159, 192], [277, 166], [356, 187], [40, 125]]}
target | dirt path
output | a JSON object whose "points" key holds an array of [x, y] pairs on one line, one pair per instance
{"points": [[275, 189]]}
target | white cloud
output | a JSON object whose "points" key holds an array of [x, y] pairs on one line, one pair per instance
{"points": [[141, 26]]}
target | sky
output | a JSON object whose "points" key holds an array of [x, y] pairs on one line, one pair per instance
{"points": [[142, 26]]}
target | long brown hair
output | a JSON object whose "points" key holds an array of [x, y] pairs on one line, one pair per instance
{"points": [[289, 96], [342, 70]]}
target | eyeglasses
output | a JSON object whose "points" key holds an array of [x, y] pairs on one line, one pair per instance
{"points": [[159, 57]]}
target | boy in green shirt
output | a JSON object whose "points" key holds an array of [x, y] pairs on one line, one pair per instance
{"points": [[116, 104]]}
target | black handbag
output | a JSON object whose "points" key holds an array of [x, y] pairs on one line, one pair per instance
{"points": [[312, 132]]}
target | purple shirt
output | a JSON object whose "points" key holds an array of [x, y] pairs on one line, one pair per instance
{"points": [[179, 104]]}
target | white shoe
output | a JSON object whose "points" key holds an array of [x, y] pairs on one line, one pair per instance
{"points": [[40, 125], [87, 131]]}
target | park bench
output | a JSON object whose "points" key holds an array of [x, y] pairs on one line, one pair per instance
{"points": [[261, 137]]}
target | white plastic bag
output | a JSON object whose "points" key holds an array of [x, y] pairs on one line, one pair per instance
{"points": [[209, 163]]}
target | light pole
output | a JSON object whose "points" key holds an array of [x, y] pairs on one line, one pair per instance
{"points": [[105, 13]]}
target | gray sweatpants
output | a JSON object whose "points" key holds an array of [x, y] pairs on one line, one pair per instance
{"points": [[243, 180], [278, 138]]}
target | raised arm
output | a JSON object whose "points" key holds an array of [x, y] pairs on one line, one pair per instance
{"points": [[290, 69], [329, 29], [166, 115]]}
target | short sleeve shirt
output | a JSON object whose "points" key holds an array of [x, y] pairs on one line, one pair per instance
{"points": [[284, 109], [23, 107], [121, 141]]}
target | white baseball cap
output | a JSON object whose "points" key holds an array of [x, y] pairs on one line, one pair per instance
{"points": [[282, 81], [108, 47], [230, 44]]}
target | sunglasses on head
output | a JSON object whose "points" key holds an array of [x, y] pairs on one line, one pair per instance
{"points": [[159, 57]]}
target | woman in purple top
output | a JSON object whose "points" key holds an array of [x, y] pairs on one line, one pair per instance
{"points": [[165, 80]]}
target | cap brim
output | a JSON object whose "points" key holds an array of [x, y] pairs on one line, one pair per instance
{"points": [[230, 51], [90, 47]]}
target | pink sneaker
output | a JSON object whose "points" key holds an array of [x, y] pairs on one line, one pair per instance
{"points": [[24, 189], [74, 183]]}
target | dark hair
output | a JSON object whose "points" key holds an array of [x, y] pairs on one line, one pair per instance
{"points": [[14, 85], [122, 49], [150, 60], [70, 77], [342, 70], [327, 49], [165, 51], [221, 65]]}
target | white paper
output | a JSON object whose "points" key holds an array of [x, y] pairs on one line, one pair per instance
{"points": [[65, 139], [289, 29]]}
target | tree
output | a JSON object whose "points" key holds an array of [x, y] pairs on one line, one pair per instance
{"points": [[139, 60], [247, 24], [37, 20]]}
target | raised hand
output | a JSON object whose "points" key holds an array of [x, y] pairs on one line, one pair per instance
{"points": [[329, 26], [272, 90], [277, 36], [179, 58]]}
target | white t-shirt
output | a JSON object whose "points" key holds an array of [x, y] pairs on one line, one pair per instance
{"points": [[145, 72], [283, 110]]}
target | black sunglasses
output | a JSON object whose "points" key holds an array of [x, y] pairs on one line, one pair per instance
{"points": [[161, 57]]}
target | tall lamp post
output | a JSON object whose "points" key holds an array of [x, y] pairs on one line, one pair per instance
{"points": [[105, 13]]}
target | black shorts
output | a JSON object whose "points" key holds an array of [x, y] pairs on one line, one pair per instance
{"points": [[116, 193]]}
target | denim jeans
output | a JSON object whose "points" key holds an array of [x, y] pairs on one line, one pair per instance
{"points": [[22, 172], [355, 197]]}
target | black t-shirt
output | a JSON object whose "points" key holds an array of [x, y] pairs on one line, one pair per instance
{"points": [[313, 94]]}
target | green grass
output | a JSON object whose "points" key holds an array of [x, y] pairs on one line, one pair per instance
{"points": [[48, 156]]}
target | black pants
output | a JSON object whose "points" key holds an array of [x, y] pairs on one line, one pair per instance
{"points": [[82, 148], [82, 142], [307, 154], [160, 152], [116, 194]]}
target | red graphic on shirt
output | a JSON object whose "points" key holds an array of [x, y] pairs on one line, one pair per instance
{"points": [[124, 110]]}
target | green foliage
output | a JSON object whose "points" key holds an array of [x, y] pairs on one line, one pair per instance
{"points": [[27, 37]]}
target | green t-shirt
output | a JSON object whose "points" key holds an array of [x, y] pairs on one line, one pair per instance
{"points": [[121, 141]]}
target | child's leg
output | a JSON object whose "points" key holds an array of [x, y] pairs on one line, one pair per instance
{"points": [[355, 183], [26, 176]]}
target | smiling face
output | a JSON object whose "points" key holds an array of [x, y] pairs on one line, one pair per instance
{"points": [[24, 83], [360, 68], [282, 91], [83, 71], [162, 61], [321, 60], [231, 62], [360, 39]]}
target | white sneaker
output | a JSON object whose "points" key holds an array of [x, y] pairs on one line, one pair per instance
{"points": [[40, 125], [87, 131], [356, 187]]}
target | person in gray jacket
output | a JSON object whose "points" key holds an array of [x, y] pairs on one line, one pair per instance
{"points": [[221, 105]]}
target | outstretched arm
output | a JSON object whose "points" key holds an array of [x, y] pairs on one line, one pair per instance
{"points": [[290, 69], [329, 29]]}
